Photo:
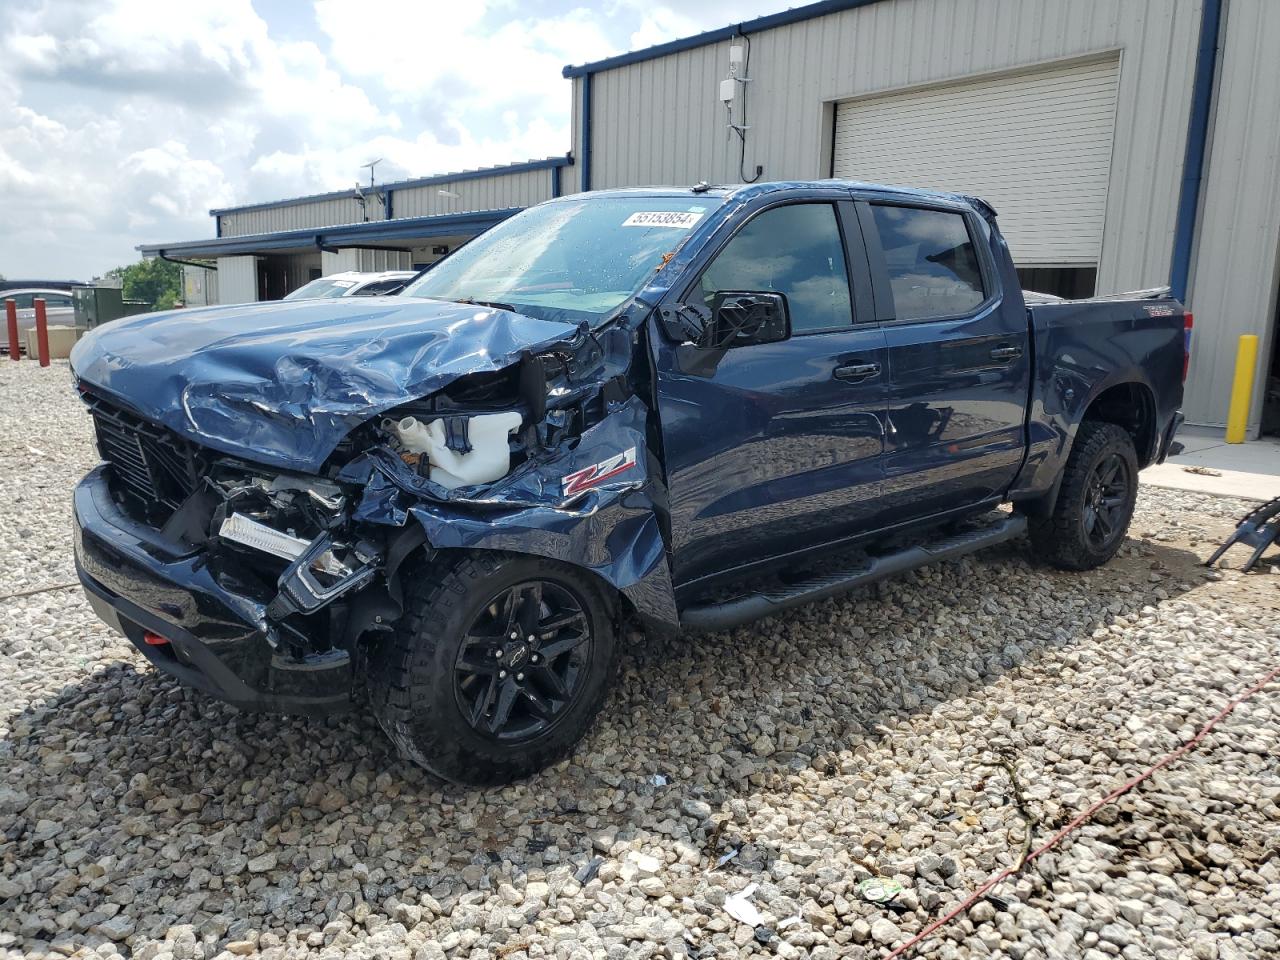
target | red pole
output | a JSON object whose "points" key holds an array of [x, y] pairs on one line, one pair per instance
{"points": [[11, 310], [42, 332]]}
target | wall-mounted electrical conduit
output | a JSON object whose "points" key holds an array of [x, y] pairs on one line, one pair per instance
{"points": [[739, 59]]}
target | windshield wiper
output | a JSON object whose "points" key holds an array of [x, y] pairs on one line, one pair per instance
{"points": [[486, 303]]}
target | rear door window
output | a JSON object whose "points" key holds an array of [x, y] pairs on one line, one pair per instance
{"points": [[933, 265], [795, 250]]}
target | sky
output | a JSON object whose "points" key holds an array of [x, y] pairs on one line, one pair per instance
{"points": [[124, 121]]}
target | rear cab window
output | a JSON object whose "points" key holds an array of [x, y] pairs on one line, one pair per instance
{"points": [[933, 264], [323, 289], [380, 288]]}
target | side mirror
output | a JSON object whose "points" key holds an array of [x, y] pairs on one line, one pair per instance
{"points": [[739, 319]]}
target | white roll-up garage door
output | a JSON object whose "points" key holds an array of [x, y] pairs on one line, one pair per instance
{"points": [[1037, 146]]}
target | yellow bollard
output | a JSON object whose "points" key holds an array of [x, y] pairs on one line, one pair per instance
{"points": [[1242, 388]]}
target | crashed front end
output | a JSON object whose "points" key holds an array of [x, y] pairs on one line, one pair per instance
{"points": [[266, 586]]}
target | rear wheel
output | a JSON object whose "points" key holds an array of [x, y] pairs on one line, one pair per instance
{"points": [[498, 667], [1095, 501]]}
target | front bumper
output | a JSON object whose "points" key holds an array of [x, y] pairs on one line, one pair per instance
{"points": [[138, 581]]}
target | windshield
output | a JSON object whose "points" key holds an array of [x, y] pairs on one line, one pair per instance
{"points": [[569, 260], [322, 288]]}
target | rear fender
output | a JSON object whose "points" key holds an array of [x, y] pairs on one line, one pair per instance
{"points": [[1052, 434]]}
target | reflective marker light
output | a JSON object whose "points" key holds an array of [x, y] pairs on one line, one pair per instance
{"points": [[1186, 345]]}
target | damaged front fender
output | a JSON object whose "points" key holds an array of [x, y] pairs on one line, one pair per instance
{"points": [[308, 419], [602, 519]]}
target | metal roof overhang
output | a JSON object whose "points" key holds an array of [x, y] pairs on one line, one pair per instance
{"points": [[482, 173], [767, 22], [374, 233]]}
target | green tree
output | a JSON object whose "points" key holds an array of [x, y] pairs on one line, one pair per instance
{"points": [[156, 281]]}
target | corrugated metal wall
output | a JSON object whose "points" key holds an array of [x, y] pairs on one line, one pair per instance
{"points": [[660, 121], [1235, 275], [481, 193], [364, 260], [499, 192], [297, 216], [199, 286], [237, 279], [300, 267]]}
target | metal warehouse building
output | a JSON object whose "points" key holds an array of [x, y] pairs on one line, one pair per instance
{"points": [[262, 251], [1124, 143]]}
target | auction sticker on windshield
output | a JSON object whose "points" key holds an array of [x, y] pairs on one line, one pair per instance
{"points": [[663, 218]]}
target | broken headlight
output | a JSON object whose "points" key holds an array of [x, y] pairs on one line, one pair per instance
{"points": [[250, 533]]}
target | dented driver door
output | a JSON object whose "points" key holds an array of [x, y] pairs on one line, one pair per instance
{"points": [[773, 448]]}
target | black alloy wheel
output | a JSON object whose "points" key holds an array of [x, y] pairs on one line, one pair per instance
{"points": [[498, 666], [1095, 501], [523, 661], [1107, 505]]}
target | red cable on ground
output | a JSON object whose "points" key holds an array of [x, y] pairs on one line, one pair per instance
{"points": [[1082, 818]]}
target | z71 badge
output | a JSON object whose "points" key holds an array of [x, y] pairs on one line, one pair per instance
{"points": [[582, 480]]}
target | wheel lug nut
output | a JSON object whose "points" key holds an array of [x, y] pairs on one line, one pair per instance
{"points": [[534, 658], [502, 674], [519, 676], [531, 638], [515, 635]]}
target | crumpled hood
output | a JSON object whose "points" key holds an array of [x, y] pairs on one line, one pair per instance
{"points": [[282, 383]]}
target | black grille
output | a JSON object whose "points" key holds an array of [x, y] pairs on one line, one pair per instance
{"points": [[154, 469]]}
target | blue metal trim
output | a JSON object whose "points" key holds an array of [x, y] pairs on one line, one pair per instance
{"points": [[45, 284], [290, 202], [555, 182], [586, 132], [348, 235], [512, 168], [808, 12], [1197, 141]]}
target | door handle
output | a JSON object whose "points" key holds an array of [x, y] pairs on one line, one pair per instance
{"points": [[856, 372], [1006, 353]]}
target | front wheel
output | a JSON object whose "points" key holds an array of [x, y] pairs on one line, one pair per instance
{"points": [[497, 668], [1095, 500]]}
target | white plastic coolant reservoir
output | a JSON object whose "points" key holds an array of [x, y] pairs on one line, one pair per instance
{"points": [[490, 456]]}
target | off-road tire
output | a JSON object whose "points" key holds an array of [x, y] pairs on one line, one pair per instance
{"points": [[411, 671], [1061, 538]]}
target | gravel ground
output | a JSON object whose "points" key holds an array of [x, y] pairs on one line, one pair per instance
{"points": [[914, 731]]}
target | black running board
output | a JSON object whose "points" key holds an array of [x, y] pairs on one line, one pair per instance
{"points": [[740, 610]]}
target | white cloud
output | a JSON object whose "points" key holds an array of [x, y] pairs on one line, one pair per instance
{"points": [[450, 65], [124, 121]]}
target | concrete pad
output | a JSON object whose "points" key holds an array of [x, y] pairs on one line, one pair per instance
{"points": [[1209, 464]]}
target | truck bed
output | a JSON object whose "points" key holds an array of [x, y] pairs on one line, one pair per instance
{"points": [[1080, 349]]}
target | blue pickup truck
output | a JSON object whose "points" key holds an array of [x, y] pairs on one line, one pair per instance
{"points": [[687, 408]]}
